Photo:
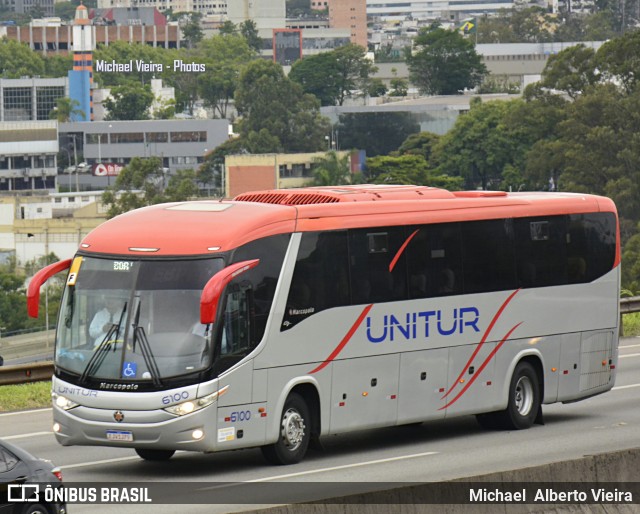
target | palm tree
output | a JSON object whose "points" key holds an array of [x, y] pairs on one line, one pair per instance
{"points": [[332, 169], [66, 109]]}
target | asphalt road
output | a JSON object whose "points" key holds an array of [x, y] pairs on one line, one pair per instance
{"points": [[432, 451]]}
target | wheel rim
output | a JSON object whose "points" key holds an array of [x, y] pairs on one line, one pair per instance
{"points": [[292, 429], [524, 396]]}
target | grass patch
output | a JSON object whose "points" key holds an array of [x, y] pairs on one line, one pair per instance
{"points": [[631, 324], [25, 396]]}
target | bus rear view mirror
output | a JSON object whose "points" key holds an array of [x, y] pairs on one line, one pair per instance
{"points": [[213, 289], [33, 291]]}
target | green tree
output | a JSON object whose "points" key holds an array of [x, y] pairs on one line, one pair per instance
{"points": [[58, 65], [572, 70], [191, 30], [145, 182], [318, 75], [336, 75], [228, 28], [129, 102], [479, 146], [399, 87], [618, 60], [13, 315], [353, 70], [421, 143], [66, 110], [408, 169], [377, 88], [249, 32], [18, 60], [378, 133], [224, 57], [267, 99], [210, 173], [445, 63], [331, 170]]}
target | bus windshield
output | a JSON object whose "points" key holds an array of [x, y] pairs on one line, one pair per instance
{"points": [[135, 320]]}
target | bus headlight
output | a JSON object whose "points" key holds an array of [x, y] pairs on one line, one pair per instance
{"points": [[63, 402], [191, 406]]}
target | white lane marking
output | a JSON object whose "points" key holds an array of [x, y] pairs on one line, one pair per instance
{"points": [[324, 470], [95, 462], [629, 355], [21, 436], [16, 413], [625, 387], [629, 346]]}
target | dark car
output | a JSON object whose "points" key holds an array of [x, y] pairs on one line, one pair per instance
{"points": [[19, 467]]}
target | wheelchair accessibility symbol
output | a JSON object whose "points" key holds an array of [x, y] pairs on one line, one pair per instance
{"points": [[129, 369]]}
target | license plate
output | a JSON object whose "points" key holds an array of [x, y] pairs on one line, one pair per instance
{"points": [[119, 435]]}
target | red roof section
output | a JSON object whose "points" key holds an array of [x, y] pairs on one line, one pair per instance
{"points": [[208, 227]]}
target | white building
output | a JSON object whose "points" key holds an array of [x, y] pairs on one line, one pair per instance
{"points": [[390, 10]]}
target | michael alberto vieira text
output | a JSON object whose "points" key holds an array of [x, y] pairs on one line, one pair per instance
{"points": [[592, 495], [140, 65]]}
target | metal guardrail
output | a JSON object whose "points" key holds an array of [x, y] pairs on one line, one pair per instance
{"points": [[25, 373], [37, 371]]}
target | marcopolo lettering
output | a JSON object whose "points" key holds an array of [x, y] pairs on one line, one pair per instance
{"points": [[417, 325]]}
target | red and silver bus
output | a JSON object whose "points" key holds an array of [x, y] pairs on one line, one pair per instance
{"points": [[287, 315]]}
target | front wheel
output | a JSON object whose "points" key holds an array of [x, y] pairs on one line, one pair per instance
{"points": [[294, 435], [155, 455]]}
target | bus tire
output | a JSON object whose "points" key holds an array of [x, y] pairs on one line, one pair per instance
{"points": [[294, 433], [524, 402], [155, 455], [524, 398]]}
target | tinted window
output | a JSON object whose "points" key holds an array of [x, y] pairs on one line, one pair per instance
{"points": [[378, 270], [264, 277], [541, 251], [488, 256], [591, 246], [7, 460], [321, 276], [434, 260]]}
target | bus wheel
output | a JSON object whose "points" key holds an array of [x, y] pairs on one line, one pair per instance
{"points": [[524, 398], [295, 433], [156, 455], [524, 402]]}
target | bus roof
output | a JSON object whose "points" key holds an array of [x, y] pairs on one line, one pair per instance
{"points": [[209, 227]]}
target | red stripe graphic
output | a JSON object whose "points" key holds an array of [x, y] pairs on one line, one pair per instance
{"points": [[345, 340], [482, 341], [402, 248], [481, 368]]}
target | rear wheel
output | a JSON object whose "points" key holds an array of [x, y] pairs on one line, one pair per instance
{"points": [[524, 402], [294, 434], [155, 455]]}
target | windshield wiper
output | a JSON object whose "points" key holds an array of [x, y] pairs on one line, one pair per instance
{"points": [[145, 348], [147, 354], [100, 352]]}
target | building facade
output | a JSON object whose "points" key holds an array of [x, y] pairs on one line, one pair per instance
{"points": [[352, 15], [254, 172], [28, 151], [108, 146], [33, 226], [30, 99], [58, 40], [399, 10]]}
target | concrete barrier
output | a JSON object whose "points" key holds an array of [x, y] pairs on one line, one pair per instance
{"points": [[606, 468]]}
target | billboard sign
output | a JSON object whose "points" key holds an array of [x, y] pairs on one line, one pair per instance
{"points": [[107, 169]]}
